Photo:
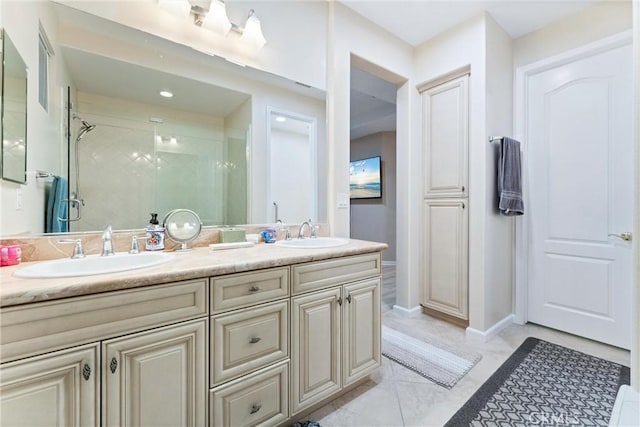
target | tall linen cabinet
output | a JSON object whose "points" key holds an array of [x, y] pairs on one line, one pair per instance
{"points": [[445, 136]]}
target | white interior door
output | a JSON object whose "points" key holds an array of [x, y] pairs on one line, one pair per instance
{"points": [[580, 177], [292, 189]]}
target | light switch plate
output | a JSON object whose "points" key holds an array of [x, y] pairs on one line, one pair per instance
{"points": [[342, 200]]}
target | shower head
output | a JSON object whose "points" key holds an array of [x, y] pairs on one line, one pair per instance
{"points": [[85, 127]]}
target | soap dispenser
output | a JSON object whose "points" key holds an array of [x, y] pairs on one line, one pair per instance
{"points": [[155, 235]]}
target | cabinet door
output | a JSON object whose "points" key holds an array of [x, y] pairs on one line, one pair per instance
{"points": [[156, 378], [445, 139], [315, 347], [360, 329], [56, 389], [446, 253]]}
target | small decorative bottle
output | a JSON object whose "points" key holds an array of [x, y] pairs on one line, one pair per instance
{"points": [[155, 235]]}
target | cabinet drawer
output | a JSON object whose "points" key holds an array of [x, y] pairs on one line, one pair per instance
{"points": [[241, 290], [41, 327], [260, 399], [322, 274], [245, 340]]}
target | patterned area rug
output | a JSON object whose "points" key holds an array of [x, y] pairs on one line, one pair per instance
{"points": [[442, 365], [545, 384]]}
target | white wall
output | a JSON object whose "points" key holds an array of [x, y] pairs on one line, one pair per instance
{"points": [[295, 31], [499, 230], [375, 219], [351, 35], [20, 20], [635, 344]]}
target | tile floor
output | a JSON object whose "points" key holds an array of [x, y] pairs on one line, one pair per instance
{"points": [[395, 396]]}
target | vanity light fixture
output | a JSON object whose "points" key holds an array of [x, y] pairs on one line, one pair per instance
{"points": [[216, 20], [252, 33]]}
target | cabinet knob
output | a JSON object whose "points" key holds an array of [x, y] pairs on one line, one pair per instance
{"points": [[113, 365], [255, 408], [349, 298], [86, 372], [254, 288], [340, 301], [254, 340]]}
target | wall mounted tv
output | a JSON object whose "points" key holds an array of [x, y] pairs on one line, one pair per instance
{"points": [[365, 178]]}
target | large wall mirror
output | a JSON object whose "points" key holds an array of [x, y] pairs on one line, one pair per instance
{"points": [[14, 112], [149, 125]]}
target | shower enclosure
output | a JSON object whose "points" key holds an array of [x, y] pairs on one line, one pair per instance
{"points": [[124, 165]]}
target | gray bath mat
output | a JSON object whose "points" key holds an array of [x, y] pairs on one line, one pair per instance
{"points": [[442, 365]]}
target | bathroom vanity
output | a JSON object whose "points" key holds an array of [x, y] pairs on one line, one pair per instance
{"points": [[249, 336]]}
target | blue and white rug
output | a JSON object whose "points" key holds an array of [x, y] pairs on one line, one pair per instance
{"points": [[443, 366]]}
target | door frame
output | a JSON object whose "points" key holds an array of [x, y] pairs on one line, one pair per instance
{"points": [[523, 73]]}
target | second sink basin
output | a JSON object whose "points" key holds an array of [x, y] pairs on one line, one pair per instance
{"points": [[318, 243], [92, 265]]}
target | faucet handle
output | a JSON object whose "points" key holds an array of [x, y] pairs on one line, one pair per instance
{"points": [[78, 251], [107, 244], [135, 248]]}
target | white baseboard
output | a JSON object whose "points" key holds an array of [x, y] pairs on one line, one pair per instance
{"points": [[408, 312], [389, 263], [491, 332]]}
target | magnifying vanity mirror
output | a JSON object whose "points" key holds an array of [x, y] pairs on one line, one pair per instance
{"points": [[14, 112], [182, 226]]}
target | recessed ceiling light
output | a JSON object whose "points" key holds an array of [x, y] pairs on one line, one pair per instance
{"points": [[281, 119], [166, 93]]}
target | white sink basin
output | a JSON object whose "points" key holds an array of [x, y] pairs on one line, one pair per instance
{"points": [[92, 265], [318, 243]]}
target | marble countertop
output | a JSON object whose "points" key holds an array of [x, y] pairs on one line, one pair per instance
{"points": [[198, 263]]}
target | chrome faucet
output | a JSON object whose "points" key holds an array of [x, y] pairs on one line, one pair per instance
{"points": [[78, 251], [107, 243], [281, 226], [312, 230]]}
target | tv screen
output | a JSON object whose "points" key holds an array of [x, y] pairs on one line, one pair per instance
{"points": [[365, 178]]}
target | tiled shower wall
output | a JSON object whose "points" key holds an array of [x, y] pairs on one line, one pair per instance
{"points": [[134, 163]]}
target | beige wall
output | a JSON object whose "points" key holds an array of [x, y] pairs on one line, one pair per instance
{"points": [[375, 219], [593, 23]]}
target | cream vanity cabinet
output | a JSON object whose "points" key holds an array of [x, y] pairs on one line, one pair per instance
{"points": [[136, 356], [335, 326], [249, 339]]}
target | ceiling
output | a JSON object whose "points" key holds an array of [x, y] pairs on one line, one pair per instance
{"points": [[416, 21], [373, 101]]}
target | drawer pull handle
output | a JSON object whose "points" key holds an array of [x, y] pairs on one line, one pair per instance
{"points": [[113, 365], [254, 288], [255, 408], [349, 298], [86, 372], [340, 301], [254, 340]]}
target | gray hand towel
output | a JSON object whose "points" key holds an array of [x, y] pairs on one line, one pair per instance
{"points": [[509, 178]]}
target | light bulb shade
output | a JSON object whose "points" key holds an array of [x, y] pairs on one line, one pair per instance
{"points": [[217, 19], [177, 7], [252, 33]]}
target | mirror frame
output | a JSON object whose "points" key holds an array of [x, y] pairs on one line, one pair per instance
{"points": [[5, 37]]}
